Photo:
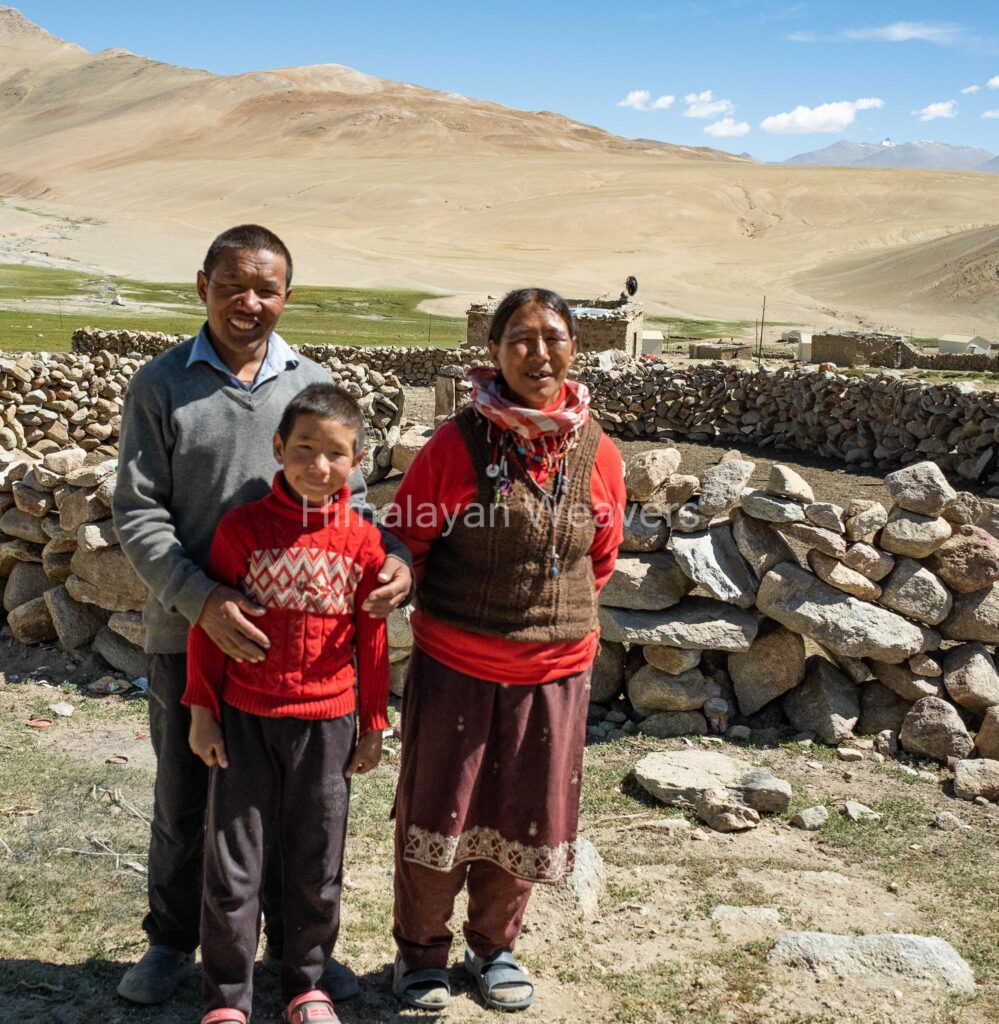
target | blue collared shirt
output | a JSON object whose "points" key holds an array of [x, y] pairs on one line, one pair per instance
{"points": [[280, 356]]}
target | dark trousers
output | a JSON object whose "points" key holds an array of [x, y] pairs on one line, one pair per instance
{"points": [[284, 788], [176, 840], [424, 902]]}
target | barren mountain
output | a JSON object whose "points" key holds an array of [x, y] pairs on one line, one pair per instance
{"points": [[128, 165]]}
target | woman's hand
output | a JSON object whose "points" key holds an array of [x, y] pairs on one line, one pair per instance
{"points": [[206, 739], [367, 755], [397, 581]]}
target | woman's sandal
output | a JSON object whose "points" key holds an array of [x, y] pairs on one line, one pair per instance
{"points": [[428, 989], [313, 1007], [224, 1016], [503, 983]]}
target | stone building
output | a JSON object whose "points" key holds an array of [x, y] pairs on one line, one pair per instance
{"points": [[602, 323], [853, 348]]}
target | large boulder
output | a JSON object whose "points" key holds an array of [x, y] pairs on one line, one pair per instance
{"points": [[916, 592], [20, 524], [607, 679], [650, 690], [409, 445], [909, 684], [920, 487], [771, 508], [120, 654], [759, 544], [710, 558], [649, 582], [787, 483], [868, 561], [881, 710], [805, 604], [667, 725], [826, 541], [110, 570], [642, 530], [974, 617], [75, 624], [826, 703], [680, 778], [696, 623], [673, 660], [31, 622], [987, 738], [934, 729], [646, 472], [722, 485], [863, 519], [27, 581], [912, 534], [977, 778], [968, 560], [772, 666], [969, 673]]}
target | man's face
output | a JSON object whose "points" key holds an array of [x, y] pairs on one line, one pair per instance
{"points": [[244, 298]]}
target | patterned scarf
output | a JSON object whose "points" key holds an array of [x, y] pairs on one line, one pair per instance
{"points": [[489, 399]]}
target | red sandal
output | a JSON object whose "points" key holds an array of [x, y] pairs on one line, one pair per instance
{"points": [[224, 1016], [314, 1007]]}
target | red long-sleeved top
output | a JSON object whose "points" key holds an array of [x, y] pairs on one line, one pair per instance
{"points": [[437, 488], [311, 572]]}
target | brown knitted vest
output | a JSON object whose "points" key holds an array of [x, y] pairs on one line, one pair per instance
{"points": [[490, 574]]}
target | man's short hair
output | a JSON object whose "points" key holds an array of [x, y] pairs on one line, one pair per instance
{"points": [[329, 402], [250, 237]]}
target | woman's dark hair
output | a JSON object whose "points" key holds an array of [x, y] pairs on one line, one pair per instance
{"points": [[329, 402], [513, 301], [251, 237]]}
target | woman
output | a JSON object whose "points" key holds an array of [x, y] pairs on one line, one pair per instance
{"points": [[513, 514]]}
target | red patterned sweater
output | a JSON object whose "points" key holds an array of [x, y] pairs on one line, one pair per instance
{"points": [[312, 577]]}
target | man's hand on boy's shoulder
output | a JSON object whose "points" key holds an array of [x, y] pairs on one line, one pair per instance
{"points": [[367, 753], [396, 581], [223, 618], [205, 738]]}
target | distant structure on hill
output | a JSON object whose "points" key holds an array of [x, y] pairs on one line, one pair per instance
{"points": [[852, 348], [604, 324], [973, 344]]}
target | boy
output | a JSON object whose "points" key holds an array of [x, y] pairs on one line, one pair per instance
{"points": [[278, 735]]}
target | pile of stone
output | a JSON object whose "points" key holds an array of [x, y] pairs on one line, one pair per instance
{"points": [[735, 608], [64, 576]]}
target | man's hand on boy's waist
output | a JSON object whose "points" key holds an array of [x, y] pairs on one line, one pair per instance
{"points": [[224, 619]]}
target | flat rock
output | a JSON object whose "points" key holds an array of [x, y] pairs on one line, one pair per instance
{"points": [[857, 811], [987, 737], [20, 524], [722, 811], [680, 777], [771, 508], [120, 654], [916, 592], [968, 560], [31, 622], [92, 476], [868, 561], [832, 571], [889, 959], [722, 485], [826, 703], [651, 690], [696, 623], [673, 660], [64, 461], [642, 531], [913, 534], [665, 725], [826, 515], [646, 472], [934, 729], [710, 558], [83, 590], [969, 674], [863, 519], [759, 544], [920, 487], [977, 779], [773, 665], [811, 819], [785, 482], [75, 624], [844, 624], [649, 582], [974, 617], [901, 680], [826, 541]]}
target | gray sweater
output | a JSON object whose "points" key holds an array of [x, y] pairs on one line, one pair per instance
{"points": [[192, 447]]}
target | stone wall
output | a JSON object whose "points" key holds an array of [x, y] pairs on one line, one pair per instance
{"points": [[847, 348]]}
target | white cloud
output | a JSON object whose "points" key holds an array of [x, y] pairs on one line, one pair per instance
{"points": [[827, 117], [906, 32], [993, 83], [704, 104], [728, 128], [934, 111], [806, 36], [641, 99], [971, 90], [991, 113]]}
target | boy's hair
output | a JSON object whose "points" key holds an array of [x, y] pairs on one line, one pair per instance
{"points": [[249, 237], [329, 402]]}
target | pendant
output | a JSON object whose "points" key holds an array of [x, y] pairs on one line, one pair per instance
{"points": [[492, 471], [553, 564]]}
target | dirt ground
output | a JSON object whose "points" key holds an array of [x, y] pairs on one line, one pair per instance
{"points": [[75, 800]]}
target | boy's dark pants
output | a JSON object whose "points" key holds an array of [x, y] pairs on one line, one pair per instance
{"points": [[176, 840], [284, 787]]}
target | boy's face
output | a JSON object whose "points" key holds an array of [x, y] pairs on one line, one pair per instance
{"points": [[317, 457]]}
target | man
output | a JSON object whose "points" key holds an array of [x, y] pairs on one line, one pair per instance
{"points": [[195, 442]]}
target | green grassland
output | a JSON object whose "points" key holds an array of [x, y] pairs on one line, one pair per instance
{"points": [[38, 311]]}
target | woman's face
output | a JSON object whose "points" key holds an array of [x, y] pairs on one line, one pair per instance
{"points": [[534, 354]]}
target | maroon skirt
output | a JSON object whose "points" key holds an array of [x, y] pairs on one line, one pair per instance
{"points": [[490, 771]]}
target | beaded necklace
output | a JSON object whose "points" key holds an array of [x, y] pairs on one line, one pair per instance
{"points": [[551, 459]]}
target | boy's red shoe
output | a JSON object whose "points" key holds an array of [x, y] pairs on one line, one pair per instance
{"points": [[312, 1007], [224, 1016]]}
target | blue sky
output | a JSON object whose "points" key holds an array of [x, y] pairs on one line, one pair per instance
{"points": [[767, 77]]}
